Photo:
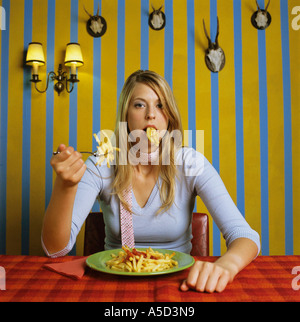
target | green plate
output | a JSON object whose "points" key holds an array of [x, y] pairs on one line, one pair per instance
{"points": [[97, 262]]}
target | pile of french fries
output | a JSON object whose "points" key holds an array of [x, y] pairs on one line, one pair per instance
{"points": [[133, 260]]}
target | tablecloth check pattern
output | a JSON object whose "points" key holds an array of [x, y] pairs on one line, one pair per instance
{"points": [[268, 278]]}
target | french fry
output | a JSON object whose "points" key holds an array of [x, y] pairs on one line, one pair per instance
{"points": [[140, 262], [134, 264], [128, 267], [153, 135]]}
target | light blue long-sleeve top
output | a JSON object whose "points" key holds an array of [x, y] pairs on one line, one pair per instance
{"points": [[171, 229]]}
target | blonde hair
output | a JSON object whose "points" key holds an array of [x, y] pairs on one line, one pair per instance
{"points": [[167, 173]]}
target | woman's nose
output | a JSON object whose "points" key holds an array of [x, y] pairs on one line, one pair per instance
{"points": [[150, 113]]}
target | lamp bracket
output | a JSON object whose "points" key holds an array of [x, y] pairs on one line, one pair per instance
{"points": [[60, 77]]}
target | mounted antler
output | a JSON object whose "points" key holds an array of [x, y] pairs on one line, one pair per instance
{"points": [[214, 54], [156, 11], [91, 16], [96, 25], [266, 9], [157, 19], [212, 45], [261, 18]]}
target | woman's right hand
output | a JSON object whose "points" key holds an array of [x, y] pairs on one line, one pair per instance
{"points": [[68, 165]]}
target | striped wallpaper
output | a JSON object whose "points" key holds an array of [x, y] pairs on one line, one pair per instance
{"points": [[249, 111]]}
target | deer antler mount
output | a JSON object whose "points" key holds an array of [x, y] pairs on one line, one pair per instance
{"points": [[96, 26], [214, 54], [157, 19], [261, 18]]}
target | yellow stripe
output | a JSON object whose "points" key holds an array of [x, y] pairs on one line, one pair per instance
{"points": [[109, 66], [85, 87], [156, 44], [14, 135], [203, 97], [132, 36], [295, 99], [227, 125], [84, 97], [251, 121], [38, 135], [276, 135], [61, 103], [180, 76]]}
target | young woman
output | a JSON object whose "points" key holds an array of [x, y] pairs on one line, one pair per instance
{"points": [[162, 181]]}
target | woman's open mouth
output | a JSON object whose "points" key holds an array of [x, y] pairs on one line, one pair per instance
{"points": [[153, 135]]}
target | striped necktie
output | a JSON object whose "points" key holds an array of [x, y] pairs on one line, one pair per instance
{"points": [[127, 231]]}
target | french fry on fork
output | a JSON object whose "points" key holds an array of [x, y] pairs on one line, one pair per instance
{"points": [[105, 150]]}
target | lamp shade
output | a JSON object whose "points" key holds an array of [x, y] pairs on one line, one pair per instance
{"points": [[35, 54], [73, 55]]}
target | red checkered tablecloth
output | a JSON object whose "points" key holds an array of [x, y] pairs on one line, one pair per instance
{"points": [[268, 278]]}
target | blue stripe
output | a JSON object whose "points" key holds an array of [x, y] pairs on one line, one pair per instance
{"points": [[288, 163], [144, 35], [215, 149], [121, 47], [239, 119], [169, 40], [74, 21], [215, 120], [3, 125], [49, 98], [96, 92], [73, 95], [96, 82], [191, 76], [26, 136], [263, 115]]}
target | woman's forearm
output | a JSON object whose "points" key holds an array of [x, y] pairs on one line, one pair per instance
{"points": [[69, 168], [239, 254], [58, 218]]}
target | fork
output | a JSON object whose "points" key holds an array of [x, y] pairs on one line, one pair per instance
{"points": [[95, 154]]}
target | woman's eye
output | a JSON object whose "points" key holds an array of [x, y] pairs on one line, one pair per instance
{"points": [[159, 105], [138, 105]]}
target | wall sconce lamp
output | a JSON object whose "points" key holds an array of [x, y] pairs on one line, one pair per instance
{"points": [[73, 59]]}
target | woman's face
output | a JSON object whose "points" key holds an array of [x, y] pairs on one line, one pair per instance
{"points": [[145, 110]]}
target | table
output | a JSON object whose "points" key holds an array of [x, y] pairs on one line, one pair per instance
{"points": [[268, 278]]}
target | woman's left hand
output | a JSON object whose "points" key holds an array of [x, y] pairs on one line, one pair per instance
{"points": [[208, 277]]}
